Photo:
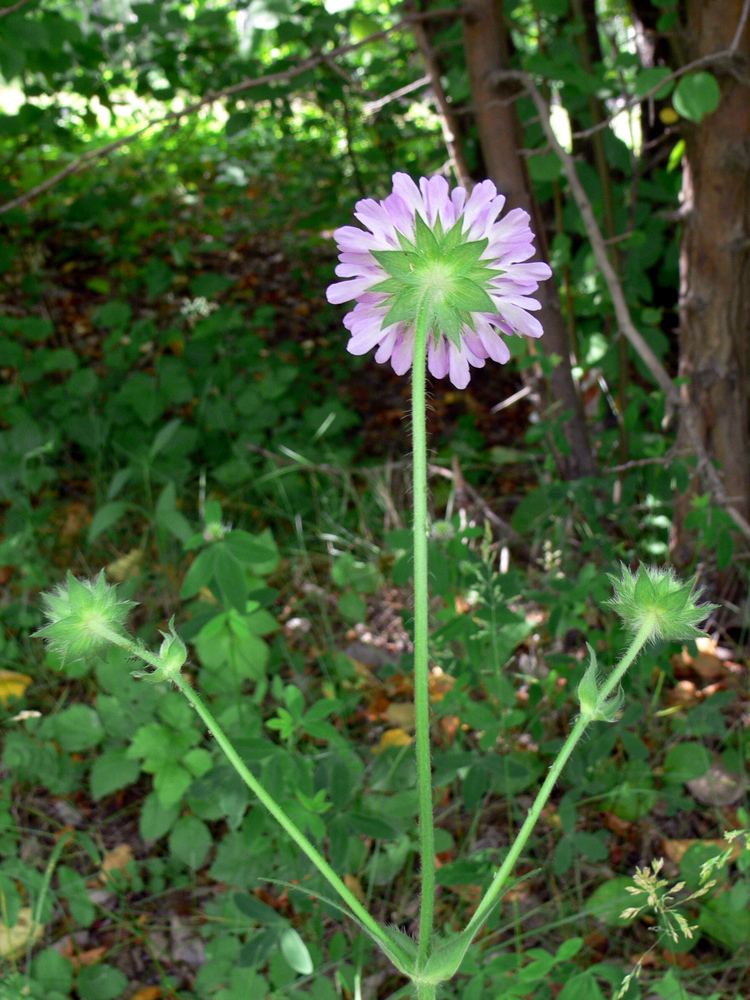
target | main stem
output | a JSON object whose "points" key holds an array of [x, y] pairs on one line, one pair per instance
{"points": [[421, 671]]}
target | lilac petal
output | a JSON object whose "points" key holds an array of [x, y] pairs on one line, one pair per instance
{"points": [[521, 322], [388, 339], [472, 342], [436, 198], [402, 217], [437, 357], [405, 188], [458, 197], [492, 342], [351, 238], [364, 341], [402, 356], [458, 367], [517, 220], [345, 291], [478, 209]]}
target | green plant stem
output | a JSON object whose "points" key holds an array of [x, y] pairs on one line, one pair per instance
{"points": [[366, 920], [490, 897], [421, 667]]}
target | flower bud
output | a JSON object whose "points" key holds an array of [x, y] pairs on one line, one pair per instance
{"points": [[656, 598], [80, 614]]}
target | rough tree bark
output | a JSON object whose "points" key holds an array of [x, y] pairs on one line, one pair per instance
{"points": [[715, 263], [499, 135]]}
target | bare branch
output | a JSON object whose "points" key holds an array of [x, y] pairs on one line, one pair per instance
{"points": [[14, 7], [626, 325], [726, 59], [372, 107], [448, 121], [208, 98], [740, 27]]}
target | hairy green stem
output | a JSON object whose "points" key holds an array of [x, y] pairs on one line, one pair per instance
{"points": [[501, 876], [421, 667]]}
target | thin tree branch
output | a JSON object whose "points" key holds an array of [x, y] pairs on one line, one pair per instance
{"points": [[727, 59], [448, 121], [14, 7], [372, 107], [208, 98], [660, 375], [740, 27]]}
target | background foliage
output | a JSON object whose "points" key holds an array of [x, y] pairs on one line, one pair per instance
{"points": [[176, 406]]}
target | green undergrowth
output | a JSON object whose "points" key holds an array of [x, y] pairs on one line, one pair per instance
{"points": [[177, 409]]}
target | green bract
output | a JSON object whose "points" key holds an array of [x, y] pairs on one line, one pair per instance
{"points": [[444, 266], [593, 705], [656, 598], [172, 656], [81, 613]]}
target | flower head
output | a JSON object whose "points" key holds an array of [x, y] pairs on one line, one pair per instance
{"points": [[81, 615], [655, 597], [429, 247]]}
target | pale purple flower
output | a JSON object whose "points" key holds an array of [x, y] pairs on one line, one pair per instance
{"points": [[475, 268]]}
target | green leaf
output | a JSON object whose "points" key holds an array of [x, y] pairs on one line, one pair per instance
{"points": [[295, 951], [163, 437], [249, 548], [101, 982], [581, 987], [724, 549], [231, 578], [465, 257], [545, 167], [568, 949], [156, 819], [190, 841], [609, 900], [696, 95], [685, 762], [256, 911], [107, 515], [52, 971], [169, 518], [649, 78], [400, 265], [200, 573], [444, 962], [112, 771], [76, 728], [171, 782]]}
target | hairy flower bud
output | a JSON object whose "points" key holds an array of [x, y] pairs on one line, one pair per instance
{"points": [[80, 614]]}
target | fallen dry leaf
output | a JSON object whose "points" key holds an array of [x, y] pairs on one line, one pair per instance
{"points": [[116, 860], [12, 685], [400, 715], [126, 567], [392, 738], [15, 940], [148, 993]]}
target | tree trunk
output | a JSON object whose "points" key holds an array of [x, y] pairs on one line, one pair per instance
{"points": [[715, 268], [499, 131]]}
